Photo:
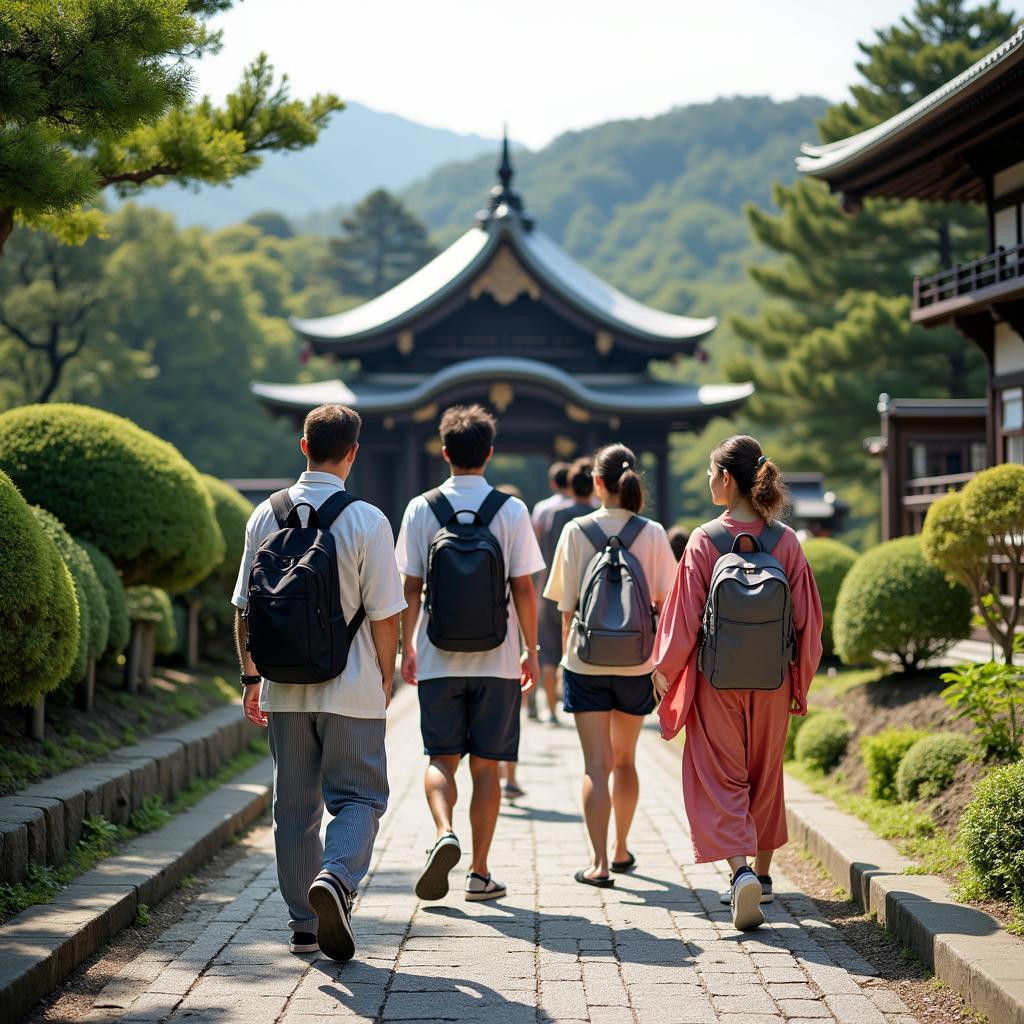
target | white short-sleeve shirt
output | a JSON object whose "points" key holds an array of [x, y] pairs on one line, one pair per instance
{"points": [[511, 526], [367, 576], [569, 565]]}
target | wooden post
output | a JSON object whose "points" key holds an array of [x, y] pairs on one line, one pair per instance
{"points": [[134, 660], [87, 688], [37, 719], [148, 655], [192, 634]]}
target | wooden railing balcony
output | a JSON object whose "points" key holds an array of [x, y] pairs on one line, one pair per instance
{"points": [[922, 491], [998, 271]]}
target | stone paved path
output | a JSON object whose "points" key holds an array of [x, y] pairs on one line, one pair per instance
{"points": [[659, 948]]}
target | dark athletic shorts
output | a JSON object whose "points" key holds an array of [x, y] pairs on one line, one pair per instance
{"points": [[632, 695], [549, 632], [476, 715]]}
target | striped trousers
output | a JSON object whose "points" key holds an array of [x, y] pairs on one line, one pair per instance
{"points": [[327, 761]]}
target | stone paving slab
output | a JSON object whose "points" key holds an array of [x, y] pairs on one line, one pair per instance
{"points": [[657, 948]]}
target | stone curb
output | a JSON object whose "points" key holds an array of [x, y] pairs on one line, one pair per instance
{"points": [[967, 949], [39, 824], [41, 946]]}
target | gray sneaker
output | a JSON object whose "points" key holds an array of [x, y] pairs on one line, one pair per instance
{"points": [[433, 881]]}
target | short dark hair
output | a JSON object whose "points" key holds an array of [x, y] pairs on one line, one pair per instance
{"points": [[330, 432], [581, 478], [558, 475], [678, 538], [468, 432]]}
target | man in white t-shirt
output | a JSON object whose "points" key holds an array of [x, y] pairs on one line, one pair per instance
{"points": [[327, 739], [469, 699]]}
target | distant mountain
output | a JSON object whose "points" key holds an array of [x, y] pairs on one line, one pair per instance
{"points": [[360, 150]]}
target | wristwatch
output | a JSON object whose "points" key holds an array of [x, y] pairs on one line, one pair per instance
{"points": [[250, 680]]}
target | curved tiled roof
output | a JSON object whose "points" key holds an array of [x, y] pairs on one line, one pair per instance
{"points": [[625, 394]]}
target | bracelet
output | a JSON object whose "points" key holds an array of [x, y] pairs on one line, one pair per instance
{"points": [[250, 680]]}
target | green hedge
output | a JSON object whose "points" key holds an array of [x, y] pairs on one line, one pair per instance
{"points": [[92, 603], [796, 723], [894, 602], [151, 604], [113, 590], [113, 483], [39, 627], [830, 561], [822, 741], [929, 765], [992, 833], [882, 754]]}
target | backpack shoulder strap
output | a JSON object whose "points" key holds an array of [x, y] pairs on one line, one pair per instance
{"points": [[770, 536], [631, 530], [490, 506], [333, 507], [440, 506], [281, 504], [720, 536], [592, 532]]}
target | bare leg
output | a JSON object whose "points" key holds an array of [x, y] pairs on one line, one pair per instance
{"points": [[735, 863], [439, 786], [483, 808], [594, 731], [763, 862], [549, 679], [625, 731]]}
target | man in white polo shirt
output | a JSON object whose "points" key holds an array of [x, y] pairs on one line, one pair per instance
{"points": [[469, 699], [327, 739]]}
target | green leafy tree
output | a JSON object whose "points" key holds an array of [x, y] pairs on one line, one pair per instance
{"points": [[382, 243], [97, 94], [835, 331]]}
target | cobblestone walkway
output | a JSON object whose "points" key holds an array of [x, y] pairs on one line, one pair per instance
{"points": [[658, 948]]}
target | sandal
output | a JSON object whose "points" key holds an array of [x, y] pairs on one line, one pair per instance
{"points": [[622, 866], [599, 883]]}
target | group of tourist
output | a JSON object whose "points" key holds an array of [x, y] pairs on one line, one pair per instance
{"points": [[721, 632]]}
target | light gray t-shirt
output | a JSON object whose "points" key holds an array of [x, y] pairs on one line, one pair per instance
{"points": [[367, 576]]}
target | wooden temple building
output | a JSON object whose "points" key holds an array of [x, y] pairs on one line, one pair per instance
{"points": [[506, 318], [962, 143]]}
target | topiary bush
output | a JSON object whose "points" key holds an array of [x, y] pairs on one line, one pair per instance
{"points": [[830, 561], [822, 741], [882, 754], [796, 723], [39, 627], [929, 765], [991, 832], [151, 604], [894, 602], [92, 603], [113, 483], [113, 591]]}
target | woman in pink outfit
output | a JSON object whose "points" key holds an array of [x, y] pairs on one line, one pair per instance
{"points": [[735, 738]]}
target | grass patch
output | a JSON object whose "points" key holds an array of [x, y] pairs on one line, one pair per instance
{"points": [[102, 839], [838, 679], [142, 916], [912, 831]]}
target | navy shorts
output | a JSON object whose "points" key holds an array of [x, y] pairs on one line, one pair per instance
{"points": [[632, 695], [476, 715]]}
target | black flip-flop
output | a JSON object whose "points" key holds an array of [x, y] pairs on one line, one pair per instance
{"points": [[622, 866], [598, 883]]}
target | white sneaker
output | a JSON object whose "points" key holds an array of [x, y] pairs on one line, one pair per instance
{"points": [[746, 901], [483, 887], [767, 893]]}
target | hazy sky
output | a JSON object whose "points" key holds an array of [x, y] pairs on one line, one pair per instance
{"points": [[547, 66]]}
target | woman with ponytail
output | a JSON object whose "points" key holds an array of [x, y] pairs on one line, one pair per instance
{"points": [[608, 703], [735, 737]]}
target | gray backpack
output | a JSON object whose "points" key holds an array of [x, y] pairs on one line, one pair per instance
{"points": [[747, 640], [614, 621]]}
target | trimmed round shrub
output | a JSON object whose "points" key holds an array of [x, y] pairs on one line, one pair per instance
{"points": [[92, 603], [830, 561], [113, 590], [882, 754], [796, 723], [39, 627], [822, 741], [895, 603], [929, 765], [992, 833], [151, 604], [994, 500], [113, 483]]}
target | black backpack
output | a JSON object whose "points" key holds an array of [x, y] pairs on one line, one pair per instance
{"points": [[467, 587], [614, 621], [295, 626]]}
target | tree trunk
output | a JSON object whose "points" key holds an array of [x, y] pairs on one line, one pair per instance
{"points": [[37, 719], [148, 655], [134, 660], [87, 688], [192, 634], [6, 225]]}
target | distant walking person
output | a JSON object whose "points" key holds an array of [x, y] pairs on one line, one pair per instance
{"points": [[560, 496], [611, 571], [318, 648], [738, 644], [465, 549]]}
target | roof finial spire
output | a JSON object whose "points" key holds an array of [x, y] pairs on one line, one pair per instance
{"points": [[505, 171], [504, 202]]}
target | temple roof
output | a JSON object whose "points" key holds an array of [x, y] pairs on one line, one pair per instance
{"points": [[504, 222], [882, 160], [627, 394]]}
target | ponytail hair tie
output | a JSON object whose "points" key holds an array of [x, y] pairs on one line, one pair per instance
{"points": [[761, 461], [625, 463]]}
